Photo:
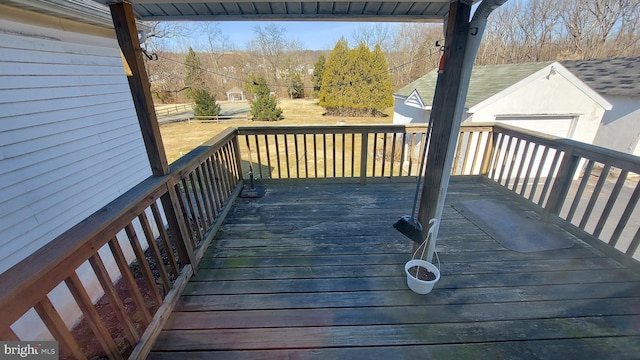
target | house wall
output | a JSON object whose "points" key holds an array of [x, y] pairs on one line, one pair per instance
{"points": [[548, 95], [620, 126], [70, 142]]}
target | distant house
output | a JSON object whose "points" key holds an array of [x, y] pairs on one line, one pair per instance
{"points": [[70, 141], [616, 79], [543, 97], [235, 94]]}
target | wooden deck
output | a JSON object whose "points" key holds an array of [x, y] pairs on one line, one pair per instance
{"points": [[315, 271]]}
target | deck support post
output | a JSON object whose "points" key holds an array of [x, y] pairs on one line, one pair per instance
{"points": [[124, 23], [446, 118]]}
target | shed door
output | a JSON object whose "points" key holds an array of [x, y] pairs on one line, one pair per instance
{"points": [[561, 126]]}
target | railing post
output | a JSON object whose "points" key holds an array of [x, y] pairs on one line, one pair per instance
{"points": [[562, 183], [178, 227], [363, 156], [236, 149], [488, 152]]}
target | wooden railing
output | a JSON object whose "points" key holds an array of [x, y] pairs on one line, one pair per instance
{"points": [[596, 190], [358, 152], [142, 248]]}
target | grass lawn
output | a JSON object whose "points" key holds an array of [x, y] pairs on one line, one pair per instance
{"points": [[180, 138]]}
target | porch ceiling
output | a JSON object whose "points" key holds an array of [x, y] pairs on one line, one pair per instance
{"points": [[326, 10]]}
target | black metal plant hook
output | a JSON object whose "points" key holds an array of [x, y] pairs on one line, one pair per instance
{"points": [[152, 56]]}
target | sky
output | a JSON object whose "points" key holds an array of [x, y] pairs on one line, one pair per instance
{"points": [[312, 35]]}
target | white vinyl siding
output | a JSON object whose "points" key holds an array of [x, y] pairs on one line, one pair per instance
{"points": [[561, 126], [70, 142]]}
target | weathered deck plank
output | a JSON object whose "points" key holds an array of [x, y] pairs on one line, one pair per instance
{"points": [[316, 272]]}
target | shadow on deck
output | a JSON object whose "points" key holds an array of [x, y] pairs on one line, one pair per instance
{"points": [[315, 271]]}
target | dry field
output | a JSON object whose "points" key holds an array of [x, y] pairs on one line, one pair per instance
{"points": [[180, 138]]}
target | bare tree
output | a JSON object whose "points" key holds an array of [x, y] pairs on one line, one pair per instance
{"points": [[372, 35], [413, 51]]}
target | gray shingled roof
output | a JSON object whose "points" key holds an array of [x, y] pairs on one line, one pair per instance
{"points": [[486, 81], [613, 76]]}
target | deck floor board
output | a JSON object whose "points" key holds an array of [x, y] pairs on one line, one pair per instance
{"points": [[315, 271]]}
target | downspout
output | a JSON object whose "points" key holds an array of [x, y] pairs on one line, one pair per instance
{"points": [[477, 26]]}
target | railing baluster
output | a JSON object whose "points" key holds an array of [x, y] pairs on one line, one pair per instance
{"points": [[222, 176], [594, 196], [505, 160], [165, 240], [155, 252], [375, 154], [207, 193], [286, 155], [306, 159], [412, 146], [562, 194], [626, 215], [58, 329], [527, 176], [344, 155], [127, 276], [633, 247], [201, 195], [266, 146], [195, 222], [612, 199], [476, 153], [226, 162], [393, 153], [364, 146], [513, 162], [384, 154], [333, 148], [258, 151], [457, 154], [465, 160], [324, 153], [144, 265], [215, 185], [315, 155], [278, 155], [580, 192], [91, 316], [562, 183], [536, 181], [246, 139], [130, 331], [403, 145], [203, 221], [522, 161], [496, 157]]}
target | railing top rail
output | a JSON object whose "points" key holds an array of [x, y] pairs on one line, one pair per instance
{"points": [[319, 129]]}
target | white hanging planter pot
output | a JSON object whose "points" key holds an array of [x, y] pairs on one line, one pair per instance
{"points": [[418, 283]]}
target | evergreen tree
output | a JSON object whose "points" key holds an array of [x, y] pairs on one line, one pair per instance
{"points": [[296, 87], [382, 80], [193, 79], [318, 72], [334, 78], [356, 82], [205, 103], [264, 106]]}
